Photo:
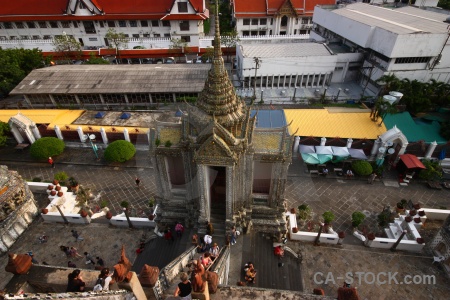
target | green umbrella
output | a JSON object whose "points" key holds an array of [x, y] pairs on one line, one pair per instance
{"points": [[310, 158], [323, 158]]}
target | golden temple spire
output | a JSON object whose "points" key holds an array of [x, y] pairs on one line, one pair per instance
{"points": [[217, 45]]}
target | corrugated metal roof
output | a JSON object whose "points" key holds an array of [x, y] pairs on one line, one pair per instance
{"points": [[87, 79], [285, 50], [393, 20], [422, 131], [326, 123], [43, 116]]}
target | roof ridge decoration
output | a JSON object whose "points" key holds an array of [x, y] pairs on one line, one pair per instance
{"points": [[213, 148], [287, 8], [218, 96], [91, 5]]}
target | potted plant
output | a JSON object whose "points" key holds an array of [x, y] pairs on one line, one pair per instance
{"points": [[124, 204], [82, 199], [151, 217], [83, 213], [357, 218], [151, 202], [58, 188], [108, 215], [60, 194], [371, 236], [420, 240], [412, 212], [44, 210], [293, 210], [168, 144], [416, 206], [55, 182], [50, 187], [417, 220], [74, 186], [341, 234], [157, 142], [408, 219], [328, 217], [401, 205], [304, 212], [53, 193], [294, 230], [421, 213]]}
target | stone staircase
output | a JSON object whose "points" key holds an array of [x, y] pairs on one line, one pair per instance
{"points": [[267, 219], [175, 209], [217, 219]]}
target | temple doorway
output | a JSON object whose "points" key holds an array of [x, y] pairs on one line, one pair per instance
{"points": [[218, 198]]}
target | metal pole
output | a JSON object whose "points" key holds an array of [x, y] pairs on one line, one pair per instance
{"points": [[62, 214], [128, 218], [317, 241], [394, 247]]}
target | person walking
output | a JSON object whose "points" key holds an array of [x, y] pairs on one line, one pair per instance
{"points": [[208, 240], [215, 250], [184, 288], [209, 228], [138, 181], [51, 162], [371, 178], [74, 253], [76, 235], [179, 229], [168, 236], [100, 262], [70, 264], [233, 235], [89, 259]]}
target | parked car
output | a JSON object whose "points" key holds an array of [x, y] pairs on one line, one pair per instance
{"points": [[170, 60], [135, 61], [158, 61], [146, 61]]}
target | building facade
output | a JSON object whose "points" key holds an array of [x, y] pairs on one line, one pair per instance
{"points": [[33, 22], [409, 42], [274, 17], [214, 159]]}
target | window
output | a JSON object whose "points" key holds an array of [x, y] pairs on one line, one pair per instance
{"points": [[184, 25], [271, 21], [182, 7], [144, 24], [186, 38], [102, 24], [155, 23], [136, 36], [24, 37], [47, 37], [89, 26], [13, 37], [167, 35], [246, 22], [111, 24], [19, 25], [166, 23], [262, 21], [253, 32], [305, 21], [412, 60], [245, 33], [82, 5], [156, 35], [284, 21], [31, 25], [36, 37], [42, 24], [254, 21], [65, 24], [75, 24], [7, 25], [122, 23], [133, 23], [146, 35], [295, 31], [296, 21], [262, 32], [53, 24]]}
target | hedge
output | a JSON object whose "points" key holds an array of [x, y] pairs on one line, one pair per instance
{"points": [[362, 167], [45, 147], [119, 151]]}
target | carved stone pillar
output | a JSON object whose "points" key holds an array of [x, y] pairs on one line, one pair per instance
{"points": [[229, 190]]}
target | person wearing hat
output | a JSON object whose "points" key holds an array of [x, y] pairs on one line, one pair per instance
{"points": [[51, 162], [215, 251]]}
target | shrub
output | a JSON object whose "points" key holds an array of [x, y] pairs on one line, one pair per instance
{"points": [[304, 212], [119, 151], [124, 204], [104, 203], [168, 144], [357, 218], [151, 202], [45, 147], [362, 167], [73, 181], [37, 179], [328, 217], [61, 176], [157, 142], [433, 170]]}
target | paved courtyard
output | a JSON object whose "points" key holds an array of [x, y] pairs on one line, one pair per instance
{"points": [[115, 183]]}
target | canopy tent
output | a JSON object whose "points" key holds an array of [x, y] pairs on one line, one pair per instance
{"points": [[357, 153], [324, 150], [409, 163], [306, 149], [323, 158]]}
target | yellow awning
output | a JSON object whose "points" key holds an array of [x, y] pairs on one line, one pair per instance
{"points": [[331, 123]]}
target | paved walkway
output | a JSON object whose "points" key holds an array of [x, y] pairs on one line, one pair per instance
{"points": [[115, 183]]}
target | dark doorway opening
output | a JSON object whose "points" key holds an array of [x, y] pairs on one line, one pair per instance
{"points": [[218, 195]]}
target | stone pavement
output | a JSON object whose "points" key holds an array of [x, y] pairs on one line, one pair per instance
{"points": [[115, 183]]}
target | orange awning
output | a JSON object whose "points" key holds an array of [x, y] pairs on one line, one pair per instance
{"points": [[411, 161]]}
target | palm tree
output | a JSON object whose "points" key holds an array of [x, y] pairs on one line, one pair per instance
{"points": [[389, 82]]}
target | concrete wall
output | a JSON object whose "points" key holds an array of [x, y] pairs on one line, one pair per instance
{"points": [[326, 238], [121, 221], [384, 243], [436, 214]]}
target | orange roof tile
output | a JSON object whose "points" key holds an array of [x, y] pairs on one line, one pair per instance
{"points": [[245, 8], [184, 17]]}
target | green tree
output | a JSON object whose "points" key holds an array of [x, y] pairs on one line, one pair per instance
{"points": [[445, 4], [176, 45], [116, 40], [383, 108], [209, 54], [45, 147], [230, 40], [362, 167], [4, 129], [433, 170], [15, 64], [67, 47], [445, 130], [94, 60], [119, 151], [389, 82], [415, 96]]}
